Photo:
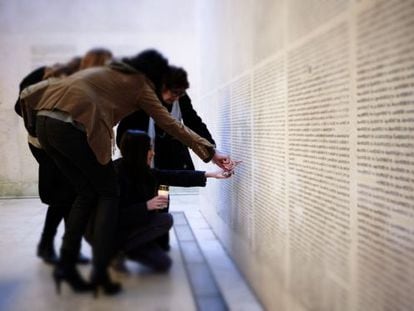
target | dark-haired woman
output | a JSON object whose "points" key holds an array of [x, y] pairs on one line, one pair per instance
{"points": [[74, 126], [140, 224]]}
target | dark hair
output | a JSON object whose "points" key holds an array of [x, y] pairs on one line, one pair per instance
{"points": [[151, 63], [134, 147], [176, 78]]}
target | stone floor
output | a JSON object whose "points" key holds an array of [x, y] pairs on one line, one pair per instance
{"points": [[203, 277]]}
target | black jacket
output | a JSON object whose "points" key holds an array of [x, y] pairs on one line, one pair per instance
{"points": [[133, 196], [169, 152], [34, 77], [54, 187]]}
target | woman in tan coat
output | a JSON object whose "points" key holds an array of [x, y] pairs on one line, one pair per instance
{"points": [[55, 189], [74, 125]]}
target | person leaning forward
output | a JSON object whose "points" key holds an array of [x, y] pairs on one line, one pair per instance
{"points": [[121, 90]]}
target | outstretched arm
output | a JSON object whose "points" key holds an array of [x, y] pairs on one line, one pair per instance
{"points": [[221, 174]]}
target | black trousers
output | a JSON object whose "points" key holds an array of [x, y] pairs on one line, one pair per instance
{"points": [[95, 184], [56, 191], [141, 243]]}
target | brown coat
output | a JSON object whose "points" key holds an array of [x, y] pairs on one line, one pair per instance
{"points": [[100, 97]]}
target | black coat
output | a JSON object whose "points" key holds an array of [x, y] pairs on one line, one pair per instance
{"points": [[169, 152], [133, 196], [54, 188], [34, 77]]}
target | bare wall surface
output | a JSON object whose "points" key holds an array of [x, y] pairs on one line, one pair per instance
{"points": [[34, 34], [317, 98]]}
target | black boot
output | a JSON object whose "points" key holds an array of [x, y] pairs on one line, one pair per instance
{"points": [[70, 275], [46, 251], [66, 268], [45, 248], [103, 246], [101, 280]]}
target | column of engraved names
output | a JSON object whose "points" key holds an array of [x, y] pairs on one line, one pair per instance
{"points": [[217, 194], [224, 204], [269, 178], [385, 155], [241, 148], [318, 163]]}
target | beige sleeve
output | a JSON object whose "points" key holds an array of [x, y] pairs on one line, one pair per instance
{"points": [[149, 102]]}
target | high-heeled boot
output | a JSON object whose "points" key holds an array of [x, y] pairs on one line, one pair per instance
{"points": [[103, 246], [102, 281], [70, 275]]}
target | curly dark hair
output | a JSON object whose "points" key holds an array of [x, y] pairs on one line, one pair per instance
{"points": [[151, 63], [176, 78]]}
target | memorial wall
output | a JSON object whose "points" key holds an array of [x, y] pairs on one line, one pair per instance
{"points": [[317, 98]]}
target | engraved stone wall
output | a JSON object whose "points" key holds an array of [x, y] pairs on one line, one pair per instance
{"points": [[321, 214], [385, 155], [269, 178], [318, 165], [241, 148]]}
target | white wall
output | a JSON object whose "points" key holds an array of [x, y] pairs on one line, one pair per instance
{"points": [[35, 33], [316, 97]]}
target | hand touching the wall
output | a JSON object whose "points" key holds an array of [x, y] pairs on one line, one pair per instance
{"points": [[223, 174], [224, 161]]}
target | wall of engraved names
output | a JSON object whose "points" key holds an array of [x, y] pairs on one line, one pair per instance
{"points": [[318, 165], [241, 143], [385, 156], [269, 178], [325, 126]]}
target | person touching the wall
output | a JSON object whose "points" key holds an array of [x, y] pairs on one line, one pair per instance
{"points": [[140, 223], [170, 153]]}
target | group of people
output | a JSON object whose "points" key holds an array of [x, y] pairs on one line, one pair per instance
{"points": [[70, 111]]}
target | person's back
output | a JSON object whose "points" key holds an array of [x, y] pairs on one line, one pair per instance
{"points": [[84, 87]]}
